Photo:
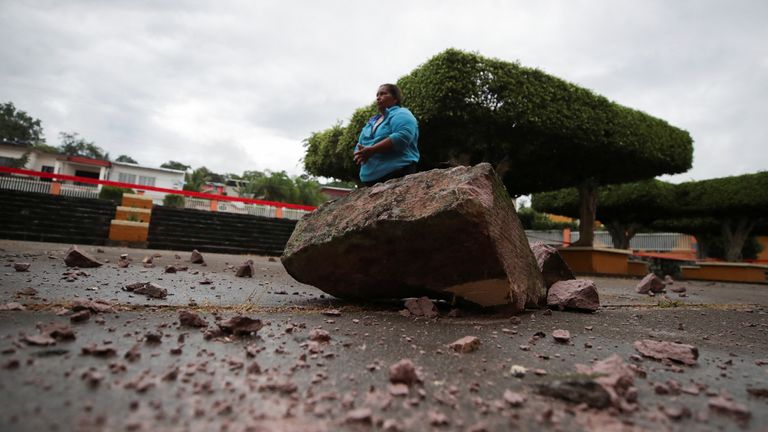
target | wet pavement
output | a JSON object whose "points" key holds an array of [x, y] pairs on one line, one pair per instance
{"points": [[282, 379]]}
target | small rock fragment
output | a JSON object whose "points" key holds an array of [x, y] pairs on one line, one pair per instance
{"points": [[331, 312], [12, 306], [513, 398], [360, 415], [650, 283], [422, 306], [99, 350], [246, 269], [579, 294], [77, 258], [562, 336], [319, 335], [196, 257], [724, 406], [21, 266], [466, 344], [81, 316], [28, 291], [404, 372], [578, 391], [661, 350], [241, 325], [190, 319], [39, 340], [148, 289]]}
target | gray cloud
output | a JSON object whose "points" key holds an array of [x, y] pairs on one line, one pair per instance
{"points": [[237, 85]]}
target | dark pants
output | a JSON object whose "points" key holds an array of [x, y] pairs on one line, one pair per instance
{"points": [[402, 172]]}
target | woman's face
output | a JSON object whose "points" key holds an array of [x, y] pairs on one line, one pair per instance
{"points": [[384, 98]]}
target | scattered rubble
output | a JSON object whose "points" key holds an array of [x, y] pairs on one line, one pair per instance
{"points": [[404, 372]]}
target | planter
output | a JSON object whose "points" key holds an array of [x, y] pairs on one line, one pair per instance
{"points": [[726, 272], [596, 260]]}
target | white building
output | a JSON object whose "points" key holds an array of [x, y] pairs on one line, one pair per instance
{"points": [[79, 166]]}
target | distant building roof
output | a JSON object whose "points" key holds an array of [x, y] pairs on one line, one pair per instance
{"points": [[133, 165]]}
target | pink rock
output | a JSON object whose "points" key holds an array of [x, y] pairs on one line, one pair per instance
{"points": [[440, 233], [616, 377], [245, 269], [241, 325], [661, 350], [196, 257], [650, 283], [724, 406], [578, 294], [360, 415], [551, 264], [562, 336], [513, 398], [466, 344], [190, 319], [12, 306], [404, 372], [319, 335], [21, 267], [77, 258], [421, 307]]}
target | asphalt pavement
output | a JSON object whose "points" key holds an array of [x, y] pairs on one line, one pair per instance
{"points": [[137, 368]]}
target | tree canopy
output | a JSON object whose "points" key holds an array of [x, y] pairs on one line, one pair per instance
{"points": [[73, 144], [175, 165], [538, 131], [18, 126], [125, 159]]}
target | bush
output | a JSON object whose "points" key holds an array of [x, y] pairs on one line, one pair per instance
{"points": [[114, 194], [175, 201]]}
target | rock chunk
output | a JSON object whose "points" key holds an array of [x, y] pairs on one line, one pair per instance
{"points": [[245, 269], [661, 350], [650, 283], [577, 294], [241, 325], [21, 266], [463, 238], [562, 336], [190, 319], [196, 257], [577, 390], [421, 307], [552, 266], [77, 258], [404, 372], [616, 377], [466, 344], [148, 289]]}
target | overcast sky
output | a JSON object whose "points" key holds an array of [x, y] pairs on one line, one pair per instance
{"points": [[237, 85]]}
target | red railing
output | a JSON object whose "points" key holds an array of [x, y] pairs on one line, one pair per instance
{"points": [[153, 188]]}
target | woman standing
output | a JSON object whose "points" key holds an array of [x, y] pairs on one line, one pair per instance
{"points": [[387, 147]]}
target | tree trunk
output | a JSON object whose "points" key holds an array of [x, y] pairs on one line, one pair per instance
{"points": [[735, 234], [587, 211], [621, 234], [701, 246]]}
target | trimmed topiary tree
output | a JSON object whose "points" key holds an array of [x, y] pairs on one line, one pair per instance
{"points": [[539, 132], [624, 209]]}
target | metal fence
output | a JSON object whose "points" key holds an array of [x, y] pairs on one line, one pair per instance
{"points": [[29, 185], [243, 208], [659, 242]]}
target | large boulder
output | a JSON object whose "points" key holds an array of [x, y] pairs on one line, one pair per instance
{"points": [[440, 233]]}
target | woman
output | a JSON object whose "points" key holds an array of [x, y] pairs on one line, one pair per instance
{"points": [[387, 146]]}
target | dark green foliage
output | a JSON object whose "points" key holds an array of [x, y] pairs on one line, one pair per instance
{"points": [[114, 193], [175, 165], [18, 126], [175, 201], [74, 145], [126, 159], [539, 132], [533, 220], [743, 195], [640, 202]]}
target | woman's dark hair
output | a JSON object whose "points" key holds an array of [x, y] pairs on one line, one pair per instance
{"points": [[394, 91]]}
